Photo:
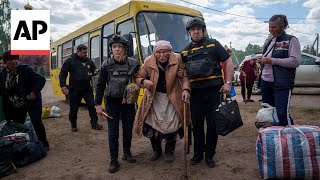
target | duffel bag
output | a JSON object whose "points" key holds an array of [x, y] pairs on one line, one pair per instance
{"points": [[291, 152], [28, 152]]}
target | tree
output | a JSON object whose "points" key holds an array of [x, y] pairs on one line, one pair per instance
{"points": [[250, 49], [312, 51], [309, 49], [306, 49], [5, 16]]}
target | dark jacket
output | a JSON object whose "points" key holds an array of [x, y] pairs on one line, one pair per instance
{"points": [[250, 70], [29, 81], [283, 76], [81, 71]]}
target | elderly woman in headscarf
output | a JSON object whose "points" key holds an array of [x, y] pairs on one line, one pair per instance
{"points": [[160, 114]]}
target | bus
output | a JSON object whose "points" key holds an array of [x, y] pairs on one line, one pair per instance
{"points": [[141, 22]]}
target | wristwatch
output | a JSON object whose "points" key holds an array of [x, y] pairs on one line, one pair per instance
{"points": [[228, 82]]}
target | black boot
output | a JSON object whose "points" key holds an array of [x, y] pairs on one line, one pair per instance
{"points": [[197, 158], [209, 160], [114, 166], [157, 150], [170, 146], [198, 147], [96, 126], [127, 156], [74, 127]]}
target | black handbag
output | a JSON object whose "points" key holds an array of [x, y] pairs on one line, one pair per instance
{"points": [[227, 116]]}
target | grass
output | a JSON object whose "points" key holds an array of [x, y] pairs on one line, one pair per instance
{"points": [[311, 111], [237, 169]]}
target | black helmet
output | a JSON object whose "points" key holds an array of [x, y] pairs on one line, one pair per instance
{"points": [[195, 22], [119, 39]]}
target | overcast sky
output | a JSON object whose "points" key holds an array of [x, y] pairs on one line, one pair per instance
{"points": [[242, 23]]}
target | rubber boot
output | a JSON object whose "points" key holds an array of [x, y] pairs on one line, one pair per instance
{"points": [[169, 151], [157, 150]]}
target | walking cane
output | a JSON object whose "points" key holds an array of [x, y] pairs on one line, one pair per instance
{"points": [[185, 139], [245, 89]]}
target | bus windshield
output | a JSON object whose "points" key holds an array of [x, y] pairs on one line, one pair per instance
{"points": [[154, 26]]}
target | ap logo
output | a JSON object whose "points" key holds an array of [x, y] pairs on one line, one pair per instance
{"points": [[30, 32]]}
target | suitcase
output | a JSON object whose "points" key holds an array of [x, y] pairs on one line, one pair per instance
{"points": [[291, 152]]}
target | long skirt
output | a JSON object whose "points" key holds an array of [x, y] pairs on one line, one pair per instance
{"points": [[162, 121]]}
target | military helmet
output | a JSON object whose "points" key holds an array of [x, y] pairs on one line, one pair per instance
{"points": [[119, 39], [195, 22]]}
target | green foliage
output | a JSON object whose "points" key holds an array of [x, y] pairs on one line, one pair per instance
{"points": [[4, 25], [238, 55], [310, 50]]}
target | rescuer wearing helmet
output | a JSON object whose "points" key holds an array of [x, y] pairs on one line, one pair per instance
{"points": [[81, 70], [116, 72], [202, 57]]}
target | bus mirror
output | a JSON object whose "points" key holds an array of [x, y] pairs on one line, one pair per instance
{"points": [[130, 48]]}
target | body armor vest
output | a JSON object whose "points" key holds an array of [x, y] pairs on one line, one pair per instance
{"points": [[82, 71], [201, 63], [119, 76]]}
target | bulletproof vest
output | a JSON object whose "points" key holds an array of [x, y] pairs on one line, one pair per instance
{"points": [[200, 62], [81, 70], [119, 76]]}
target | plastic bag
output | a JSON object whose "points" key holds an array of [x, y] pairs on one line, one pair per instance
{"points": [[232, 91], [45, 112], [267, 116], [55, 112], [288, 152]]}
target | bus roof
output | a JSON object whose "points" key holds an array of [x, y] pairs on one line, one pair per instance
{"points": [[124, 12]]}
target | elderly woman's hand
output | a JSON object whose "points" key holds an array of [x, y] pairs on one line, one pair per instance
{"points": [[185, 95], [148, 84]]}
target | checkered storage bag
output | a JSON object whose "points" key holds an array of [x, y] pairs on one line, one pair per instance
{"points": [[291, 152]]}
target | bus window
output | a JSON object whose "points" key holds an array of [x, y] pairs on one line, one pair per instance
{"points": [[66, 51], [125, 28], [154, 26], [108, 30], [95, 51], [59, 57], [54, 60], [83, 39]]}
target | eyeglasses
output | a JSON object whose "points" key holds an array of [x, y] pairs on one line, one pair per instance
{"points": [[162, 52]]}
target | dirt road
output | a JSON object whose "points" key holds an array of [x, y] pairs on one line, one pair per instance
{"points": [[85, 154]]}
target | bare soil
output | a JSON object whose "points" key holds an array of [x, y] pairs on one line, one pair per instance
{"points": [[85, 154]]}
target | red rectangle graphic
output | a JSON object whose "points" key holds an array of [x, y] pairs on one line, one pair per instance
{"points": [[30, 52]]}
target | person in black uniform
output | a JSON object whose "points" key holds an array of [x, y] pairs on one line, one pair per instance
{"points": [[202, 57], [116, 73], [81, 70]]}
